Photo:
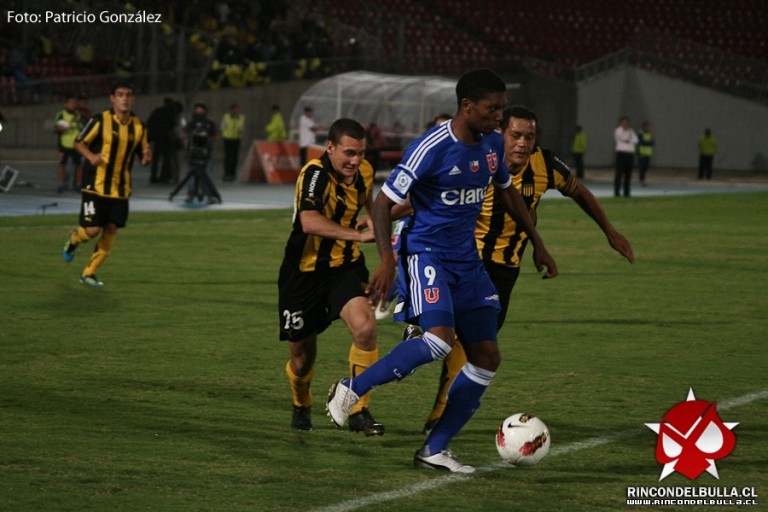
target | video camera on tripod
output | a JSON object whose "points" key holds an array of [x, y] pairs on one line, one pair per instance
{"points": [[200, 132], [199, 146]]}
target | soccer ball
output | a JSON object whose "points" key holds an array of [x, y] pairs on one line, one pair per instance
{"points": [[62, 124], [522, 439]]}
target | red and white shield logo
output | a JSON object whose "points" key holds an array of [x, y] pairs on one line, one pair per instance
{"points": [[691, 438], [493, 162]]}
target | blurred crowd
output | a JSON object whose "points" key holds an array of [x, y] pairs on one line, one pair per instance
{"points": [[240, 43]]}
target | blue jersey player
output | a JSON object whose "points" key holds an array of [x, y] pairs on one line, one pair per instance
{"points": [[445, 287]]}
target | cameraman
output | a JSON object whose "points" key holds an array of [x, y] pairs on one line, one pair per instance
{"points": [[199, 134]]}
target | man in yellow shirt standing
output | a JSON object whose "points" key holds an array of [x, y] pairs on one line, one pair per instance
{"points": [[707, 150], [67, 125], [232, 126], [578, 148], [276, 126], [645, 145]]}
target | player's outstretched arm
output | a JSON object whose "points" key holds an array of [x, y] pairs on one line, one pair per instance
{"points": [[315, 223], [515, 205], [384, 275], [589, 203]]}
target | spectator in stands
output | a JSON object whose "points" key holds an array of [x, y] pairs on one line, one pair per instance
{"points": [[707, 150], [578, 149], [307, 129], [125, 67], [215, 77], [232, 127], [626, 143], [67, 124], [84, 54], [276, 126], [644, 151]]}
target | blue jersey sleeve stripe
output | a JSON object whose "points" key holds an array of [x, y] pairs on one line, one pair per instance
{"points": [[432, 140], [393, 195]]}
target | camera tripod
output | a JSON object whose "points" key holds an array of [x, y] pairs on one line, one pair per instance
{"points": [[197, 173]]}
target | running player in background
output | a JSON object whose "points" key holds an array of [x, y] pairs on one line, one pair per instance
{"points": [[501, 242], [446, 173], [109, 142]]}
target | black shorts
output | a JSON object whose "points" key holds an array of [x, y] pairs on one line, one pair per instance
{"points": [[66, 154], [309, 301], [99, 211]]}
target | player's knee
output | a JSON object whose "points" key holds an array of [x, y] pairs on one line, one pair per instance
{"points": [[437, 346], [365, 336], [106, 242], [302, 365], [484, 354]]}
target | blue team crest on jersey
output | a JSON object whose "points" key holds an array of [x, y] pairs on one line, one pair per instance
{"points": [[474, 165], [493, 162]]}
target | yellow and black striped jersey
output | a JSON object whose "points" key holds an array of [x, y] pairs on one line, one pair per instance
{"points": [[117, 143], [320, 188], [497, 235]]}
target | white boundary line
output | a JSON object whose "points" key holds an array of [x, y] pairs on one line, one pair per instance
{"points": [[428, 485]]}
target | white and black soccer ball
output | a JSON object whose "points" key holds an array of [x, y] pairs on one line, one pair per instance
{"points": [[522, 439]]}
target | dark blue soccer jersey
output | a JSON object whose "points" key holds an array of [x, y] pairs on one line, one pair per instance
{"points": [[446, 180]]}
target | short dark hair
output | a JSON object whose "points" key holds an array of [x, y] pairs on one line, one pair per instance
{"points": [[122, 84], [477, 84], [518, 111], [345, 126], [200, 105]]}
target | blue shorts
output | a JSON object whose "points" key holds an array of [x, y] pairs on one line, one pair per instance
{"points": [[450, 294]]}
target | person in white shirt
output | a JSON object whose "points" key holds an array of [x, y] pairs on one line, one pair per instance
{"points": [[626, 144], [307, 129]]}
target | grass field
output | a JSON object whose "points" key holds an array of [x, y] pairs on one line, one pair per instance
{"points": [[165, 390]]}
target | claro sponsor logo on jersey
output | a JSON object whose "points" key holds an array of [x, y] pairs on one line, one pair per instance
{"points": [[463, 196]]}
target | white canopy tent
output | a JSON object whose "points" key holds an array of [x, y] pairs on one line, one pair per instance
{"points": [[400, 105]]}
